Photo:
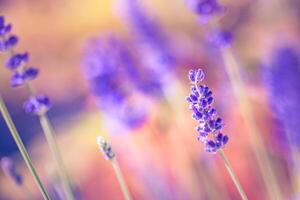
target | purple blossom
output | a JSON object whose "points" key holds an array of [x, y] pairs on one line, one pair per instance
{"points": [[37, 105], [4, 28], [206, 9], [153, 43], [9, 168], [6, 44], [19, 78], [114, 78], [16, 60], [210, 124], [21, 72], [220, 38], [282, 80]]}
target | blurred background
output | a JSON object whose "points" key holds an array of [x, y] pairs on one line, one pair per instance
{"points": [[118, 68]]}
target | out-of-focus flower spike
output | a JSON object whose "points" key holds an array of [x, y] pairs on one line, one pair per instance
{"points": [[156, 50], [9, 168], [282, 79], [37, 105], [206, 9], [220, 38], [106, 148]]}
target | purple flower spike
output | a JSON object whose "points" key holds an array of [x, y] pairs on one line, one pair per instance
{"points": [[9, 168], [210, 124], [37, 105], [16, 60], [221, 38]]}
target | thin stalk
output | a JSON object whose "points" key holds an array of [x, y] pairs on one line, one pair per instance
{"points": [[49, 134], [256, 141], [22, 149], [50, 137], [232, 175], [121, 180]]}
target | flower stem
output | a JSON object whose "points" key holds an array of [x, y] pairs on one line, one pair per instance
{"points": [[50, 137], [22, 148], [255, 139], [232, 175], [121, 180]]}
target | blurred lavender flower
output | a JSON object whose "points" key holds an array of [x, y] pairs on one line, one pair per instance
{"points": [[9, 168], [106, 148], [220, 38], [113, 76], [152, 42], [282, 80], [21, 72], [37, 105], [206, 9], [210, 124]]}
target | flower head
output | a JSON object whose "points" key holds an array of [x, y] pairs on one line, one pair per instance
{"points": [[21, 72], [117, 81], [9, 168], [220, 38], [282, 78], [210, 124], [206, 9], [37, 105], [106, 148], [153, 43]]}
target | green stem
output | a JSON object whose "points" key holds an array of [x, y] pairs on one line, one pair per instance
{"points": [[22, 148], [121, 180], [50, 137], [232, 175]]}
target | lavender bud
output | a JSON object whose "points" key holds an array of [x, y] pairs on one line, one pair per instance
{"points": [[37, 105], [16, 60], [106, 148]]}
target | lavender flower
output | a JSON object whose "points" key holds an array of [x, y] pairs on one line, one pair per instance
{"points": [[106, 148], [9, 168], [114, 77], [206, 9], [282, 79], [220, 38], [210, 124], [154, 45], [37, 105], [21, 72]]}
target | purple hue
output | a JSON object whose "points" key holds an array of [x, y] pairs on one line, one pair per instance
{"points": [[4, 28], [282, 78], [154, 45], [208, 7], [37, 105], [9, 168], [210, 124], [9, 43], [16, 60], [221, 38], [19, 78], [21, 73], [114, 76]]}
